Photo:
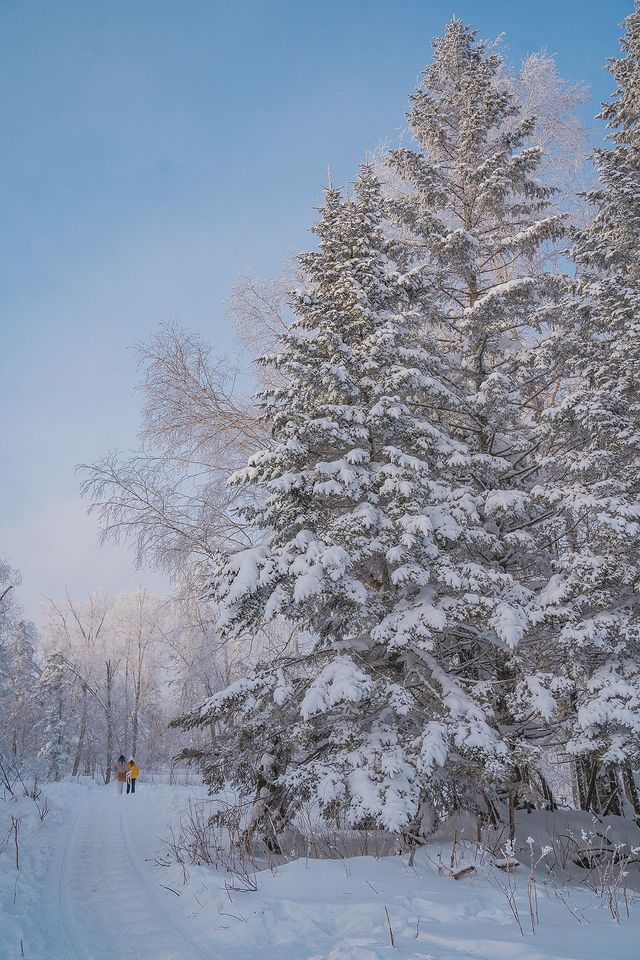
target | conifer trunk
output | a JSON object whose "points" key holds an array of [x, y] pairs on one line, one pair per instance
{"points": [[631, 790], [609, 793]]}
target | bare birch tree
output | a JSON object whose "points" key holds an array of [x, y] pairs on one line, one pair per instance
{"points": [[171, 498]]}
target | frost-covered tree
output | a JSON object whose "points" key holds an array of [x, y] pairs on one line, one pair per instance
{"points": [[80, 635], [479, 221], [21, 712], [475, 216], [592, 598], [18, 679], [8, 579], [53, 694], [370, 539], [171, 498], [138, 619], [555, 105]]}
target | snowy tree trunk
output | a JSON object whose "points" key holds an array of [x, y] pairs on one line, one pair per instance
{"points": [[591, 799], [581, 768], [59, 744], [631, 790], [513, 793], [547, 793], [109, 718], [492, 816], [127, 706], [419, 829], [135, 720], [608, 790], [81, 733]]}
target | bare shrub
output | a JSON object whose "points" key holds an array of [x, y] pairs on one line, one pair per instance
{"points": [[215, 841]]}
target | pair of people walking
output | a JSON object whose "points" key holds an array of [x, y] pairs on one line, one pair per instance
{"points": [[126, 772]]}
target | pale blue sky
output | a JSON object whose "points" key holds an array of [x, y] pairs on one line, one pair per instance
{"points": [[154, 151]]}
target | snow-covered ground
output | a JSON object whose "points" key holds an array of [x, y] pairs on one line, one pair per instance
{"points": [[90, 885]]}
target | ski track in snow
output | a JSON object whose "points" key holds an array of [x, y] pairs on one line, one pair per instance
{"points": [[101, 905]]}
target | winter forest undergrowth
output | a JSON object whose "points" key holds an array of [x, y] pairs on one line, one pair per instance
{"points": [[393, 705]]}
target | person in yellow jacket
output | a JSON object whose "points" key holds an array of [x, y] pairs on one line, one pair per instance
{"points": [[133, 773]]}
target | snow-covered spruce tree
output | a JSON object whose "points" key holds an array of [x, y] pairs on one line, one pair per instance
{"points": [[371, 542], [592, 601], [476, 218], [18, 677]]}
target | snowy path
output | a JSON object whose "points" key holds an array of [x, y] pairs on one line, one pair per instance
{"points": [[90, 888], [101, 902]]}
